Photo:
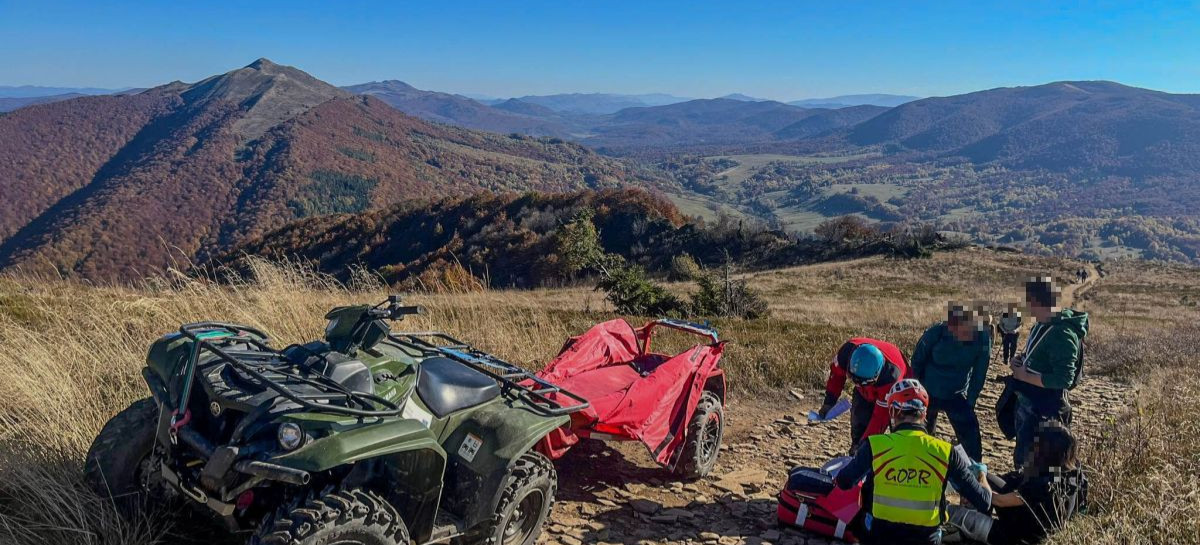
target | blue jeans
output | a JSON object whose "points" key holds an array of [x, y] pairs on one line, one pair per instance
{"points": [[962, 418]]}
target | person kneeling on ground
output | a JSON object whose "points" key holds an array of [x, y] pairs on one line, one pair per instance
{"points": [[951, 360], [906, 471], [1049, 365], [873, 366], [1034, 502]]}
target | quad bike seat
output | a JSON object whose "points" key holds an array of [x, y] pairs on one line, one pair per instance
{"points": [[445, 386]]}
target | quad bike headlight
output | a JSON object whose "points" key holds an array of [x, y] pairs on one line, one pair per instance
{"points": [[290, 436]]}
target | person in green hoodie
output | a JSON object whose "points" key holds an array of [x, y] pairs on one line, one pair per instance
{"points": [[951, 360], [1046, 369]]}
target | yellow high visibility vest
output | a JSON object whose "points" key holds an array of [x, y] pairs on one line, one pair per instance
{"points": [[909, 469]]}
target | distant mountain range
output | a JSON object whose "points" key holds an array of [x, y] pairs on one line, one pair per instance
{"points": [[523, 118], [120, 185], [115, 187], [598, 103], [619, 123], [13, 97], [718, 121], [1083, 125], [30, 91], [846, 101]]}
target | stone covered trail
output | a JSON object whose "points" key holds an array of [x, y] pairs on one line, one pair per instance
{"points": [[614, 493]]}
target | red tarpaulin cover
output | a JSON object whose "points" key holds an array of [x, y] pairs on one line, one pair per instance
{"points": [[633, 395]]}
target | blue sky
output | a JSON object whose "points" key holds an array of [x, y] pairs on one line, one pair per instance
{"points": [[781, 50]]}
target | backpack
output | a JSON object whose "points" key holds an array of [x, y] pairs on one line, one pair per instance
{"points": [[1079, 365]]}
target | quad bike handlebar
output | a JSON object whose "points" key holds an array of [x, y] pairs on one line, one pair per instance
{"points": [[394, 310]]}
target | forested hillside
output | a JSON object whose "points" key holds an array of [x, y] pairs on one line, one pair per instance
{"points": [[534, 239]]}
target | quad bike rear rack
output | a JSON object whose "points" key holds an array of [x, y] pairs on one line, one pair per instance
{"points": [[206, 335], [535, 391]]}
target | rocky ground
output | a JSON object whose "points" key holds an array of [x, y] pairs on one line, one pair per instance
{"points": [[614, 493]]}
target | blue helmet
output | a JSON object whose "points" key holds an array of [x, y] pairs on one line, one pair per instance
{"points": [[866, 363]]}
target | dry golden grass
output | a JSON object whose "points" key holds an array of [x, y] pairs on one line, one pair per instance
{"points": [[70, 356]]}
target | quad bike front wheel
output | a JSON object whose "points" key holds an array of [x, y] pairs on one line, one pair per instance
{"points": [[333, 517], [525, 503], [120, 463], [699, 453]]}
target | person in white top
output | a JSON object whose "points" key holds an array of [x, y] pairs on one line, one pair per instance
{"points": [[1010, 330]]}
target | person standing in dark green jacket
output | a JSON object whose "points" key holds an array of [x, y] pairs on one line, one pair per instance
{"points": [[1046, 369], [951, 360]]}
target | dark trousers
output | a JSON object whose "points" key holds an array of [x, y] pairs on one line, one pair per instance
{"points": [[861, 411], [964, 421], [1009, 344], [1050, 405]]}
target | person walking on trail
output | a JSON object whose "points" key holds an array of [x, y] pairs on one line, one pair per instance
{"points": [[906, 472], [873, 366], [951, 360], [1050, 365], [1010, 331], [1035, 501]]}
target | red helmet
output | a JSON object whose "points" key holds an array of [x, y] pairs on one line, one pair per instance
{"points": [[908, 395]]}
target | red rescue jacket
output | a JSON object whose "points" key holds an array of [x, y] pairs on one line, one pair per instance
{"points": [[895, 368]]}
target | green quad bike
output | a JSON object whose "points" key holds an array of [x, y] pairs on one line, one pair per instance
{"points": [[369, 437]]}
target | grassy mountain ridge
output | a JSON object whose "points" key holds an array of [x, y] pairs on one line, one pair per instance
{"points": [[117, 187]]}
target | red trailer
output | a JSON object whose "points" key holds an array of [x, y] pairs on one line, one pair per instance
{"points": [[673, 404]]}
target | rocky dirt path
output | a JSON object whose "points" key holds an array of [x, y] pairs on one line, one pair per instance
{"points": [[613, 493]]}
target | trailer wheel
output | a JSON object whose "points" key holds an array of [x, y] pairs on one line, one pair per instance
{"points": [[333, 516], [120, 464], [699, 452], [524, 505]]}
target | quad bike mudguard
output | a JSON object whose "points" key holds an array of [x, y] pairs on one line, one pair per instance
{"points": [[361, 443], [482, 445]]}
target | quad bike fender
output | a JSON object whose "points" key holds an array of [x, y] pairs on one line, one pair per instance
{"points": [[482, 446], [385, 438]]}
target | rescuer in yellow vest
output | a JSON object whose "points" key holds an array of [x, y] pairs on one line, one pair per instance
{"points": [[906, 471]]}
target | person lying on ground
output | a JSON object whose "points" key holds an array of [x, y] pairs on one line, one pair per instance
{"points": [[1034, 502], [873, 366], [906, 472], [1048, 366], [951, 361]]}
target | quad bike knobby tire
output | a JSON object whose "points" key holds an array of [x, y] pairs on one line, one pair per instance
{"points": [[524, 505], [119, 463], [341, 516], [699, 452]]}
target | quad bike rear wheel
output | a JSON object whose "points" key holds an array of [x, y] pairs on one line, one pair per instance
{"points": [[525, 503], [704, 432], [120, 464], [333, 516]]}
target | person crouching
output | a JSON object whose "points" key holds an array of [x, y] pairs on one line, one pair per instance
{"points": [[906, 472], [873, 366]]}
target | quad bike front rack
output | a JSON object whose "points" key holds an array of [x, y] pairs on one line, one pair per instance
{"points": [[206, 336], [540, 394]]}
